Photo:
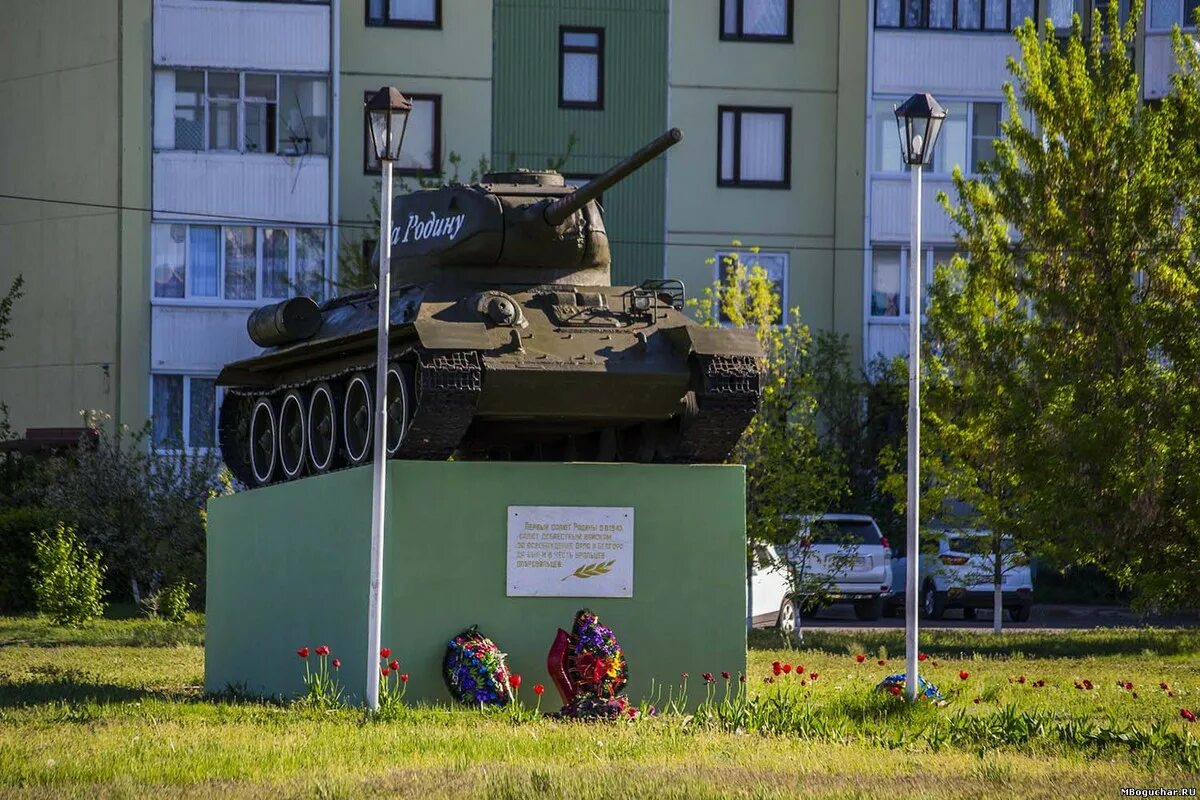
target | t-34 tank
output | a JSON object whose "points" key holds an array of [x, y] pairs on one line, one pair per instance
{"points": [[507, 342]]}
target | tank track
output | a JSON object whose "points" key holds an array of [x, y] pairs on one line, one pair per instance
{"points": [[447, 392], [726, 400]]}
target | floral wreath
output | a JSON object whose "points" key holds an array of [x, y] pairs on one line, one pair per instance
{"points": [[589, 670], [475, 671]]}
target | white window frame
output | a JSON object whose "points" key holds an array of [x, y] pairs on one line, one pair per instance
{"points": [[1186, 25], [186, 416], [219, 300], [241, 111], [748, 259], [929, 172]]}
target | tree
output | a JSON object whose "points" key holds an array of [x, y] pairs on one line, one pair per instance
{"points": [[1064, 357], [788, 472], [15, 291]]}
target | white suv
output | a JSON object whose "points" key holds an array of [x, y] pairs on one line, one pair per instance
{"points": [[840, 558], [961, 576]]}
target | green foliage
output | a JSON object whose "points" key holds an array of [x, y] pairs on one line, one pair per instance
{"points": [[18, 529], [15, 292], [1064, 365], [69, 580], [176, 599]]}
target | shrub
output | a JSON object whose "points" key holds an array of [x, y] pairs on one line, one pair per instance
{"points": [[175, 599], [69, 580], [18, 527]]}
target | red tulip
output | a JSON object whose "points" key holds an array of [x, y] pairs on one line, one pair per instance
{"points": [[1078, 685], [337, 663], [741, 678], [514, 681], [860, 658], [977, 700], [1021, 679], [882, 661], [538, 689], [803, 682], [768, 679], [302, 652], [787, 669], [404, 677], [814, 675], [725, 674], [963, 674], [1087, 684], [322, 650], [895, 690], [385, 652], [395, 665], [384, 672], [1188, 715], [1163, 686], [708, 677], [921, 656]]}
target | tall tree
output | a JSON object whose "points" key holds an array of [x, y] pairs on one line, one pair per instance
{"points": [[1064, 394]]}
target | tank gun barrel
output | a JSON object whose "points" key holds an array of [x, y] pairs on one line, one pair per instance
{"points": [[558, 211]]}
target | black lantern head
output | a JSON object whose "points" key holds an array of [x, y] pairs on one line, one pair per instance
{"points": [[388, 113], [919, 120]]}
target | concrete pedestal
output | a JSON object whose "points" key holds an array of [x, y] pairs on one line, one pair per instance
{"points": [[288, 567]]}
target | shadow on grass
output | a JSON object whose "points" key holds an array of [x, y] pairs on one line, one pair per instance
{"points": [[68, 689], [1029, 644]]}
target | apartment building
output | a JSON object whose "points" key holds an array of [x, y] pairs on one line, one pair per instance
{"points": [[958, 51]]}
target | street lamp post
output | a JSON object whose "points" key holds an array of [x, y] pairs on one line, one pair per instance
{"points": [[919, 120], [387, 111]]}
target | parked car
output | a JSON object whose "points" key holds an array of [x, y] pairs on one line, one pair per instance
{"points": [[837, 558], [768, 586], [960, 576]]}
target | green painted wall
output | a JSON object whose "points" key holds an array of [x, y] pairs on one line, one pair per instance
{"points": [[81, 332], [288, 566], [529, 129]]}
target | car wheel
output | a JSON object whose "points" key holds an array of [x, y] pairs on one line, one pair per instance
{"points": [[894, 608], [787, 616], [969, 613], [933, 602], [1020, 613], [868, 610]]}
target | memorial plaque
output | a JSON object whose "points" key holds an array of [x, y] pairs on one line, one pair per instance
{"points": [[570, 551]]}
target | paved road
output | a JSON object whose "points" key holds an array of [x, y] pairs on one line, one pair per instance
{"points": [[1044, 618]]}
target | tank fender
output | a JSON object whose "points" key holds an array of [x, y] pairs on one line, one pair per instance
{"points": [[714, 341]]}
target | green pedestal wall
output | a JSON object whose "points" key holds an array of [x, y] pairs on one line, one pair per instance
{"points": [[288, 567]]}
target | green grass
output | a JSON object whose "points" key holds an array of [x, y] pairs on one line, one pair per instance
{"points": [[117, 709]]}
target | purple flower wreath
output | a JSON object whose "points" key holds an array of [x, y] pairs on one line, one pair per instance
{"points": [[475, 671], [589, 670]]}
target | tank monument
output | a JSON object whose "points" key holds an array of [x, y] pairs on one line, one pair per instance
{"points": [[550, 437]]}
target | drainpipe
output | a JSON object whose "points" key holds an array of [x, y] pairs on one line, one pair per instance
{"points": [[335, 117], [866, 298]]}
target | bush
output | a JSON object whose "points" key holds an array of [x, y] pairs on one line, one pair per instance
{"points": [[69, 581], [175, 599], [18, 527]]}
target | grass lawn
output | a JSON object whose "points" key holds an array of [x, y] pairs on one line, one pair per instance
{"points": [[117, 709]]}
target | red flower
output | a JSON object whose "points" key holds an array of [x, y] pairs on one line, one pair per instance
{"points": [[337, 663], [1163, 686], [592, 670], [725, 674], [768, 679], [538, 689], [963, 674], [302, 652], [921, 656], [1087, 684], [741, 678], [776, 667], [395, 665], [803, 682], [683, 675], [322, 650], [1021, 679], [895, 690], [860, 658], [1078, 685], [708, 677], [882, 661], [977, 700], [384, 672], [385, 652], [787, 669], [814, 675], [1188, 715], [514, 681], [1039, 683], [631, 711], [404, 677]]}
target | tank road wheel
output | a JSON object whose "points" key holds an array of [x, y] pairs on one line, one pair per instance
{"points": [[399, 405], [322, 428], [293, 434], [264, 436], [356, 419]]}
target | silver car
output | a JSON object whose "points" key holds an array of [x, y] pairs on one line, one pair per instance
{"points": [[840, 558]]}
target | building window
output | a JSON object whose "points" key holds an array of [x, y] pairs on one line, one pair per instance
{"points": [[241, 112], [242, 264], [184, 412], [421, 153], [967, 138], [773, 263], [756, 20], [1165, 14], [580, 67], [404, 13], [970, 15], [754, 147], [889, 279]]}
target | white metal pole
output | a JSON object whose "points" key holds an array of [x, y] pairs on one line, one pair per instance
{"points": [[378, 495], [911, 590]]}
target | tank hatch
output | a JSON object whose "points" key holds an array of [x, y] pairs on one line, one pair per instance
{"points": [[525, 177]]}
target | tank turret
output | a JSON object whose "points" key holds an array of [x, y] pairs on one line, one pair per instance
{"points": [[520, 226], [507, 341]]}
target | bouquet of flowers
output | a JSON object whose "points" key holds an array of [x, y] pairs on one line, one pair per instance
{"points": [[588, 668], [892, 683], [475, 671]]}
